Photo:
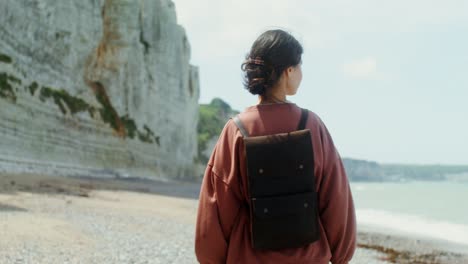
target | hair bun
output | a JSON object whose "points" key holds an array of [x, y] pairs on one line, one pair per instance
{"points": [[258, 76], [272, 53]]}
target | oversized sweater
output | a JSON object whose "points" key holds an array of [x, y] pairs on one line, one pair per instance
{"points": [[222, 232]]}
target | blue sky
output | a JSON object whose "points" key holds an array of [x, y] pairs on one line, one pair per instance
{"points": [[389, 78]]}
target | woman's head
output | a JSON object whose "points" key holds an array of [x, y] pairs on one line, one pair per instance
{"points": [[274, 57]]}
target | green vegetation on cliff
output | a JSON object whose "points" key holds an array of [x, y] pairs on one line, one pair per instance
{"points": [[213, 117], [32, 88], [6, 88], [62, 98], [68, 103], [5, 58]]}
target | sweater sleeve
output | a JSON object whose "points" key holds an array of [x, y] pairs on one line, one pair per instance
{"points": [[218, 205], [336, 204]]}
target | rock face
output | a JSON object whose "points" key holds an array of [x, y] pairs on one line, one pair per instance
{"points": [[96, 87]]}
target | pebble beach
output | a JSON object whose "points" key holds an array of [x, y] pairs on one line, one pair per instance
{"points": [[47, 219]]}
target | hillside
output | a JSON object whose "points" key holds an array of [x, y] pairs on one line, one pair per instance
{"points": [[212, 118], [362, 170]]}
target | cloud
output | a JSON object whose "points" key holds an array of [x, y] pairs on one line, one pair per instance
{"points": [[364, 68]]}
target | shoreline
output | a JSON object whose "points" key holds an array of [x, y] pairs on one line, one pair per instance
{"points": [[406, 248], [23, 196], [428, 240]]}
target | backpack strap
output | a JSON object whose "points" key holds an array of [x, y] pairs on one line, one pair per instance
{"points": [[303, 121], [240, 126]]}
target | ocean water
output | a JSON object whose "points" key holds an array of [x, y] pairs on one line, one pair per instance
{"points": [[436, 210]]}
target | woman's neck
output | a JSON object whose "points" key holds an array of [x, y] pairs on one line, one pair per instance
{"points": [[271, 100], [274, 97]]}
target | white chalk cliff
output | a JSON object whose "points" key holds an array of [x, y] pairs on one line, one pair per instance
{"points": [[96, 87]]}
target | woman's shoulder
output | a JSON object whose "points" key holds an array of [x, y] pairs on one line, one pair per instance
{"points": [[293, 110], [230, 130], [312, 117]]}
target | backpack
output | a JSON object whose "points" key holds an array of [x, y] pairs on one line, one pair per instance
{"points": [[281, 186]]}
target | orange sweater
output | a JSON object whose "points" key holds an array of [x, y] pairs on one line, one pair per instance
{"points": [[223, 226]]}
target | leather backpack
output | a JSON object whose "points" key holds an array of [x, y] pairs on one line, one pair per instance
{"points": [[281, 185]]}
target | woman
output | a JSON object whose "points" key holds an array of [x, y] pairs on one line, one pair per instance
{"points": [[223, 232]]}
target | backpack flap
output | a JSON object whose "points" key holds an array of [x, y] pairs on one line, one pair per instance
{"points": [[280, 164]]}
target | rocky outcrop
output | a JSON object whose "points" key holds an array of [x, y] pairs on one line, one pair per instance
{"points": [[96, 87]]}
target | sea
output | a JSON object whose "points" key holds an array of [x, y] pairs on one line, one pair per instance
{"points": [[437, 210]]}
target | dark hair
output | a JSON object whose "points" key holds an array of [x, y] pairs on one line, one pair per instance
{"points": [[272, 53]]}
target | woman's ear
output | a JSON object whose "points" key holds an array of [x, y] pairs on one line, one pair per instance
{"points": [[288, 71]]}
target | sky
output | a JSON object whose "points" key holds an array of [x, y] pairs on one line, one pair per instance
{"points": [[388, 78]]}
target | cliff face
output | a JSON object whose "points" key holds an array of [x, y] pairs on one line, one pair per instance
{"points": [[96, 87]]}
